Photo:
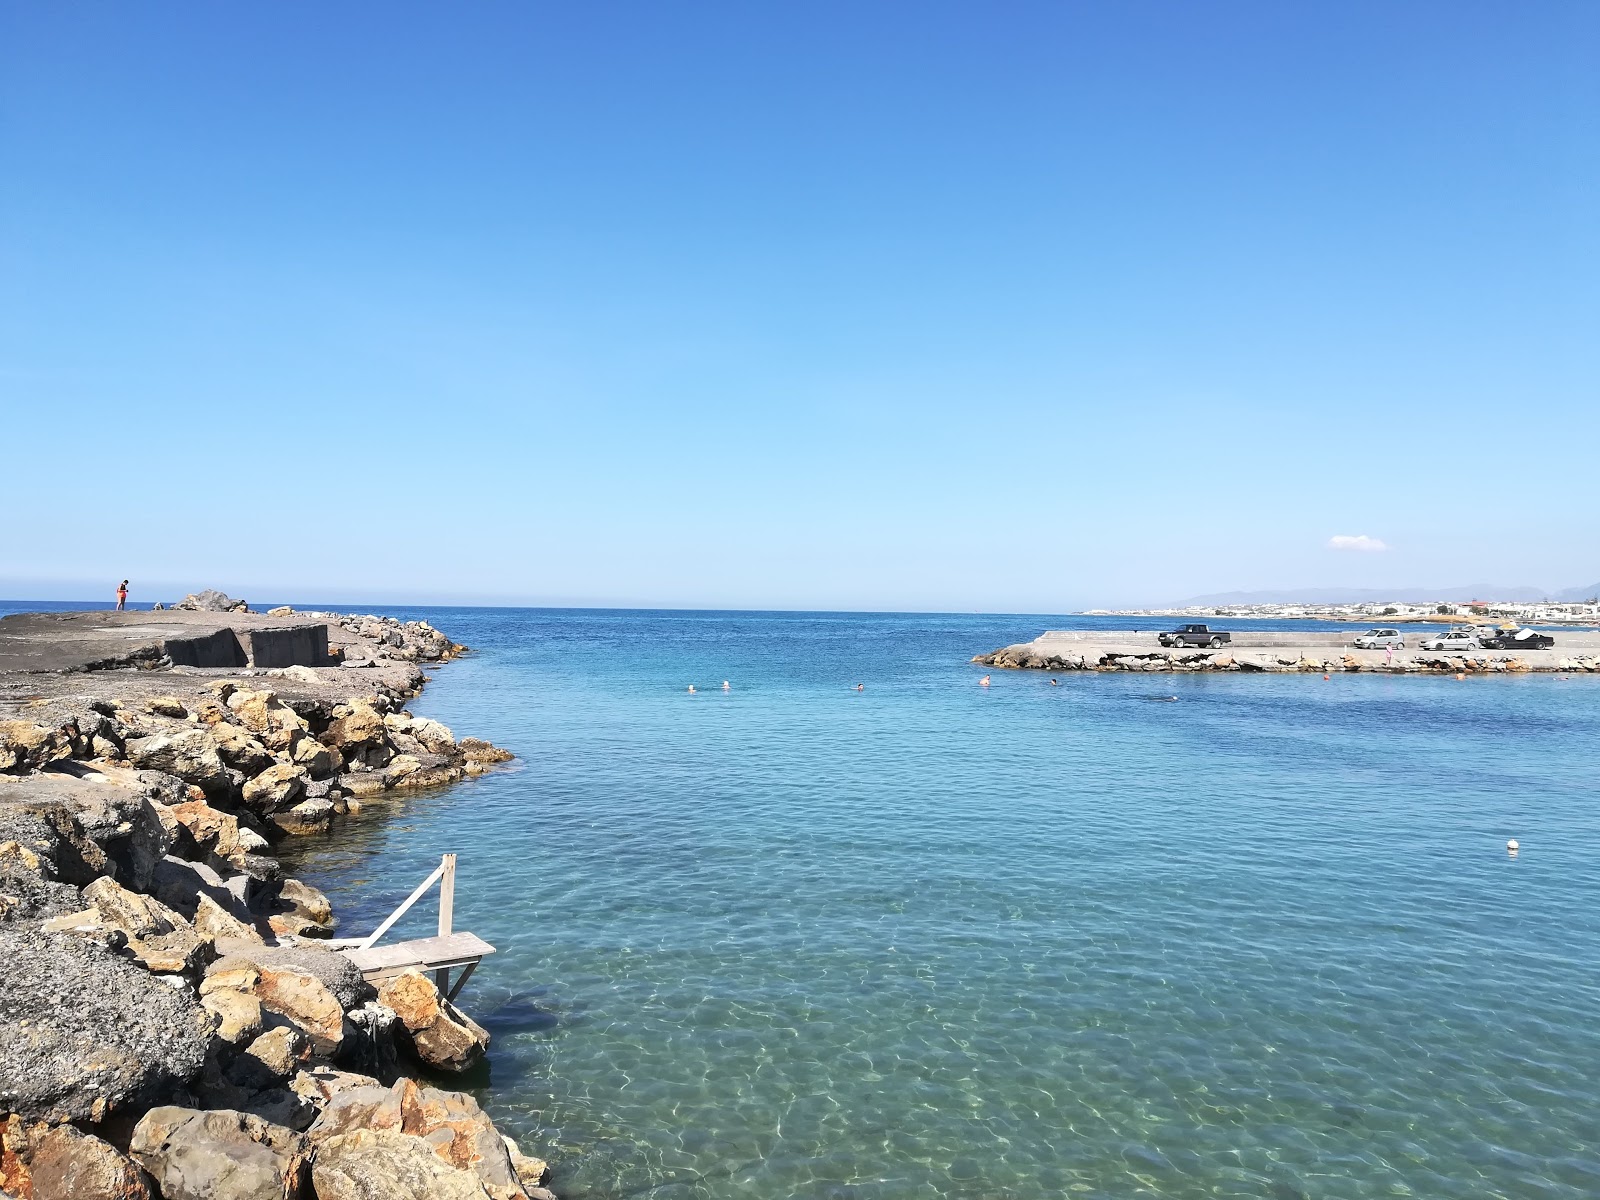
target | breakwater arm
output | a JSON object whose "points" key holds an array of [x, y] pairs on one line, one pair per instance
{"points": [[1281, 652], [171, 1024]]}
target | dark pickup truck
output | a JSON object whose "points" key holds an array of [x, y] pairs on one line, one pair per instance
{"points": [[1195, 635]]}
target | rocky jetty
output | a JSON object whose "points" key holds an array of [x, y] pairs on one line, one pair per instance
{"points": [[1027, 656], [1280, 653], [170, 1024]]}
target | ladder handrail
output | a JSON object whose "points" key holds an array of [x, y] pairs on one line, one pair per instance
{"points": [[447, 895]]}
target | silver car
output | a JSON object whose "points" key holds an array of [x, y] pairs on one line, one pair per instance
{"points": [[1378, 639], [1453, 641]]}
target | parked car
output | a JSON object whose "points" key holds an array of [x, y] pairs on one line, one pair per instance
{"points": [[1453, 641], [1519, 639], [1377, 639], [1195, 635]]}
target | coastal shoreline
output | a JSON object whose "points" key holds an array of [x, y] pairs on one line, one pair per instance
{"points": [[172, 1007], [1281, 653]]}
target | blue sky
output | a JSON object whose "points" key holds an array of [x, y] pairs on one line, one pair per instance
{"points": [[917, 306]]}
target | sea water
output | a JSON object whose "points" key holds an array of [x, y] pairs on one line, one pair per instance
{"points": [[1123, 935]]}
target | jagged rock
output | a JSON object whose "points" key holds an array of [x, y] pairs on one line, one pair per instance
{"points": [[319, 1083], [310, 988], [179, 884], [268, 717], [240, 749], [50, 829], [367, 783], [308, 816], [283, 610], [60, 1162], [211, 600], [86, 1034], [387, 1165], [270, 1059], [531, 1172], [306, 901], [219, 1155], [275, 788], [437, 1032], [25, 746], [191, 755], [236, 1015], [336, 972], [360, 736], [213, 922], [28, 889], [157, 938], [318, 760], [475, 750], [211, 831], [166, 706], [448, 1126]]}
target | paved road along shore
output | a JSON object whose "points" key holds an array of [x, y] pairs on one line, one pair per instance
{"points": [[1285, 652]]}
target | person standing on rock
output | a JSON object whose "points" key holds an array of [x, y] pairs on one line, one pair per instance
{"points": [[122, 596]]}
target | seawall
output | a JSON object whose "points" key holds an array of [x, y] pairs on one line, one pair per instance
{"points": [[173, 1022], [1283, 652]]}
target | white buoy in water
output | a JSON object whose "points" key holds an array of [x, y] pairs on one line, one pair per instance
{"points": [[1512, 847]]}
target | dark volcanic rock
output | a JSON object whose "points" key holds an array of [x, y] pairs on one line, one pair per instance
{"points": [[86, 1034]]}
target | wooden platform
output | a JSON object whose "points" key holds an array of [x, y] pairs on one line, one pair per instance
{"points": [[424, 954]]}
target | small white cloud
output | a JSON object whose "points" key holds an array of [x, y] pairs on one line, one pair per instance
{"points": [[1356, 541]]}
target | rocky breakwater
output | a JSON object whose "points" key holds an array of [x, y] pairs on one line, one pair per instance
{"points": [[170, 1025], [1319, 660]]}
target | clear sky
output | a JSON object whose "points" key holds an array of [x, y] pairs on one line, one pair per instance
{"points": [[890, 305]]}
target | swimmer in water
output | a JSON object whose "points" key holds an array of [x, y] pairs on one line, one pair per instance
{"points": [[691, 689], [984, 682], [726, 686], [861, 687], [1055, 683]]}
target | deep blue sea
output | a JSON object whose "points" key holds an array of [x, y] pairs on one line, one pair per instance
{"points": [[934, 940]]}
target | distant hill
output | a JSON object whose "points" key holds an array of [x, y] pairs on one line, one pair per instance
{"points": [[1403, 595]]}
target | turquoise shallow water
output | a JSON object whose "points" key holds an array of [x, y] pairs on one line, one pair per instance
{"points": [[1031, 941]]}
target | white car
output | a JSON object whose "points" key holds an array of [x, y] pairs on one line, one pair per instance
{"points": [[1377, 639], [1453, 641]]}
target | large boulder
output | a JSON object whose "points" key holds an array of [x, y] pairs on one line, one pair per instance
{"points": [[219, 1155], [26, 746], [60, 1162], [278, 787], [240, 749], [191, 755], [158, 939], [437, 1032], [448, 1126], [372, 1164], [86, 1034], [310, 988], [28, 888], [360, 735], [211, 600]]}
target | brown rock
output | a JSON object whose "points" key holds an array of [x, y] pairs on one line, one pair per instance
{"points": [[63, 1163], [219, 1155], [276, 788], [478, 751], [212, 921], [387, 1165], [239, 749], [455, 1131], [276, 1054], [158, 938], [439, 1034], [237, 1015], [305, 1000]]}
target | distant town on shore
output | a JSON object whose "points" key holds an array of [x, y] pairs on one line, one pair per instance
{"points": [[1578, 612]]}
